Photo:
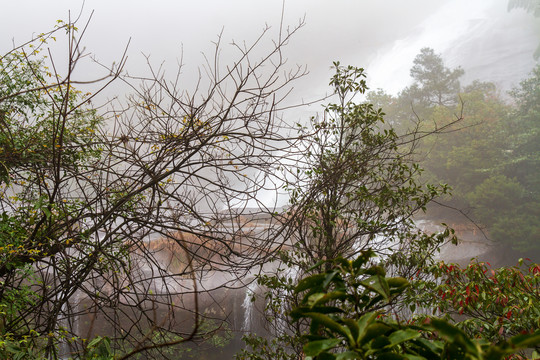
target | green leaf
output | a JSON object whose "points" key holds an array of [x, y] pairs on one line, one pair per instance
{"points": [[376, 270], [401, 336], [380, 342], [496, 352], [397, 282], [330, 296], [314, 348], [413, 357], [329, 277], [375, 330], [302, 310], [344, 263], [362, 259], [47, 212], [326, 356], [299, 312], [318, 264], [431, 349], [348, 355], [390, 356], [310, 282], [378, 284], [331, 324], [454, 335], [526, 340], [314, 298], [363, 324], [95, 341], [354, 329]]}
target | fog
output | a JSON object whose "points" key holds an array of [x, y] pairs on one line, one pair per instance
{"points": [[487, 39]]}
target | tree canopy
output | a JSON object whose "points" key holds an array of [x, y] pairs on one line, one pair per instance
{"points": [[116, 218]]}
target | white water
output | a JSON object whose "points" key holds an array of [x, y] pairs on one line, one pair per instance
{"points": [[69, 320], [248, 306]]}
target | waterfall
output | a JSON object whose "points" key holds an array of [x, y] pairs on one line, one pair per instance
{"points": [[68, 319], [248, 305], [282, 321], [63, 322]]}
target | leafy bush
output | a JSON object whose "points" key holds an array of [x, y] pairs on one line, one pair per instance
{"points": [[346, 308], [497, 303]]}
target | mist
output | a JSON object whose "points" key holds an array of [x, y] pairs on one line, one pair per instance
{"points": [[490, 41], [231, 212]]}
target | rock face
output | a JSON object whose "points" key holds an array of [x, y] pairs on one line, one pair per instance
{"points": [[498, 48], [487, 40]]}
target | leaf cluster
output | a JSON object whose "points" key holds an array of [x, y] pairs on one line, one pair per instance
{"points": [[497, 303], [337, 331]]}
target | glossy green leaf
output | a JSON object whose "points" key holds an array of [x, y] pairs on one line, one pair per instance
{"points": [[310, 282], [454, 335], [375, 330], [397, 282], [430, 349], [401, 336], [301, 311], [378, 284], [363, 323], [353, 328], [330, 324], [329, 277], [314, 298], [348, 355], [390, 356], [314, 348], [380, 342], [334, 295]]}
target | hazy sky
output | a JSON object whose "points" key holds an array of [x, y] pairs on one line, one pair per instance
{"points": [[381, 35]]}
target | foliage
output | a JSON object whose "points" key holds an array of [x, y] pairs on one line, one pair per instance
{"points": [[283, 338], [492, 163], [496, 303], [108, 218], [435, 84], [28, 118], [475, 158], [15, 347], [359, 182], [345, 305], [212, 336], [358, 189], [262, 348], [99, 349], [35, 137], [508, 209], [490, 158]]}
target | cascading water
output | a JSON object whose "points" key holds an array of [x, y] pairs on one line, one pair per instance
{"points": [[248, 305], [63, 323], [281, 324], [69, 321]]}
